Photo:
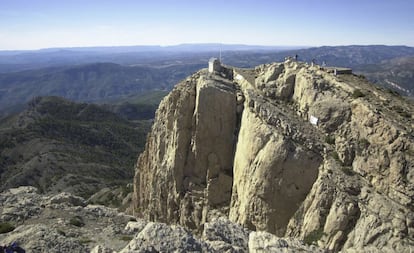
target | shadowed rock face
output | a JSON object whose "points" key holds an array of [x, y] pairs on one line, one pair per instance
{"points": [[244, 148]]}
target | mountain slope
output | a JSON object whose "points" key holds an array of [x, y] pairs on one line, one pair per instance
{"points": [[93, 82], [284, 148], [57, 145], [109, 81], [396, 74], [353, 56]]}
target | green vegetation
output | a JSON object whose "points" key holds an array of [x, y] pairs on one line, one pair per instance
{"points": [[357, 94], [330, 139], [393, 92], [126, 238], [348, 171], [77, 221], [401, 111], [83, 147], [314, 236], [6, 142], [126, 189], [61, 232], [97, 82], [103, 77], [335, 156], [363, 143], [391, 72], [6, 227], [85, 240]]}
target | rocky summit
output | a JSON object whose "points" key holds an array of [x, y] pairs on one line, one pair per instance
{"points": [[284, 149]]}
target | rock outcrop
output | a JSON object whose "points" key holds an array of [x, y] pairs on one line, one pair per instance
{"points": [[60, 223], [284, 148], [64, 223], [187, 166], [219, 235]]}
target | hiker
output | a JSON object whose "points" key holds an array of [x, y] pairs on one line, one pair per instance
{"points": [[296, 57], [13, 248], [8, 249], [16, 248]]}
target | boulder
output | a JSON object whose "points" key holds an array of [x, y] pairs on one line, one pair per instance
{"points": [[159, 237], [263, 242]]}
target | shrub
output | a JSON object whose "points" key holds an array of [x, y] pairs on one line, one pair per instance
{"points": [[126, 189], [330, 139], [393, 92], [358, 94], [405, 114], [400, 110], [6, 227], [363, 143], [61, 232], [314, 236], [335, 156], [85, 240], [348, 171], [126, 238], [77, 221]]}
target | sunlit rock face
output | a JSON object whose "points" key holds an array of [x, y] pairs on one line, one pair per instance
{"points": [[285, 148]]}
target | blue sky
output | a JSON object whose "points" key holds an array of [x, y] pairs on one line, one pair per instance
{"points": [[33, 24]]}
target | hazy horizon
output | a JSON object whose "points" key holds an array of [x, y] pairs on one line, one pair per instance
{"points": [[212, 46], [28, 24]]}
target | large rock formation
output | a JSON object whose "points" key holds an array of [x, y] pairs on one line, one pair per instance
{"points": [[284, 148], [187, 165]]}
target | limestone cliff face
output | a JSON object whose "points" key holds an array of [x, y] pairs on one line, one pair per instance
{"points": [[284, 148], [187, 165]]}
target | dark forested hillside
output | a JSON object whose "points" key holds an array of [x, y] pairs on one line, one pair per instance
{"points": [[58, 145], [88, 83], [396, 74]]}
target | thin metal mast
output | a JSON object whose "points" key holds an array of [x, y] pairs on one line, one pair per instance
{"points": [[220, 53]]}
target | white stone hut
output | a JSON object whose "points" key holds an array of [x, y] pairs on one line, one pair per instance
{"points": [[214, 65]]}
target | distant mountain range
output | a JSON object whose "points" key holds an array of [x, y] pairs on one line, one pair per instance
{"points": [[125, 55], [199, 47], [353, 56], [98, 82], [396, 73], [349, 56], [111, 73]]}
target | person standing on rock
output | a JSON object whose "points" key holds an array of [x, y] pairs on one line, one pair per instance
{"points": [[12, 249]]}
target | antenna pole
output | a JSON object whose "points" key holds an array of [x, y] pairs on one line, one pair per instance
{"points": [[220, 53]]}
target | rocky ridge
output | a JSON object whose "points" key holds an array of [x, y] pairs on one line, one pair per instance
{"points": [[66, 223], [285, 148]]}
